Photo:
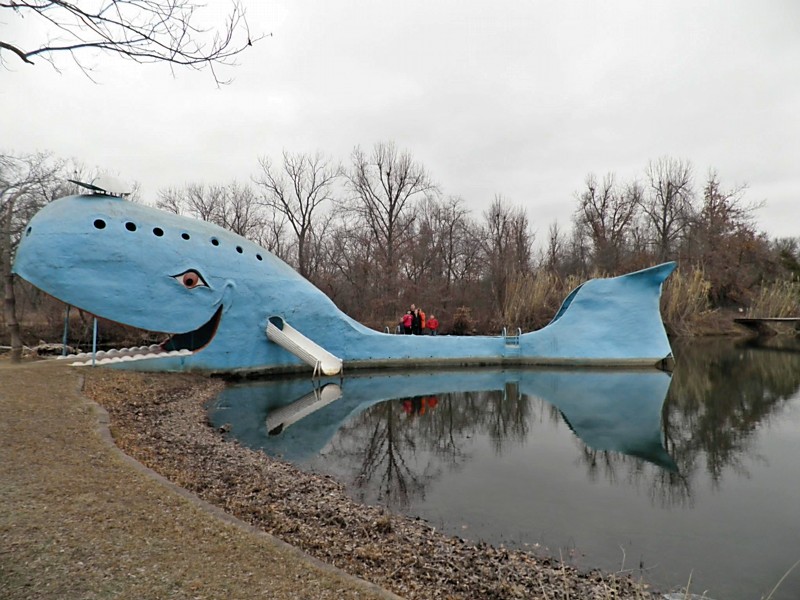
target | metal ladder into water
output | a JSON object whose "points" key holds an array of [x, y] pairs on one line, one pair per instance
{"points": [[512, 339]]}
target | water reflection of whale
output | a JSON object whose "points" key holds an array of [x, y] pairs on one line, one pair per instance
{"points": [[618, 411]]}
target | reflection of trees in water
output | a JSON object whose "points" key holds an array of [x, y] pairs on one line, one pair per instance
{"points": [[719, 397], [384, 444], [500, 415], [666, 488]]}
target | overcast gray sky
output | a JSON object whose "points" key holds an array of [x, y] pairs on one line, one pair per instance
{"points": [[522, 98]]}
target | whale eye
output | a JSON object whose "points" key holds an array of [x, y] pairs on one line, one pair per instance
{"points": [[190, 279]]}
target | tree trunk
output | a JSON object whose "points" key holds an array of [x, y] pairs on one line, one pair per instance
{"points": [[8, 277]]}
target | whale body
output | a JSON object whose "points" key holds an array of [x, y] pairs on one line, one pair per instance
{"points": [[216, 294]]}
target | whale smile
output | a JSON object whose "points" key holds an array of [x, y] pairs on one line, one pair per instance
{"points": [[196, 340], [177, 344]]}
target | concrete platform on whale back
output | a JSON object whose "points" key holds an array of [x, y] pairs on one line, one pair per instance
{"points": [[79, 519]]}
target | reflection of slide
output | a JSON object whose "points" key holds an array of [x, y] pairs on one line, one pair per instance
{"points": [[279, 419], [286, 336]]}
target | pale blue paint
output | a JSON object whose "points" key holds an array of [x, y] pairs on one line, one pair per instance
{"points": [[610, 410], [125, 272]]}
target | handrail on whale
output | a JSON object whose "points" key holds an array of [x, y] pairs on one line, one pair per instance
{"points": [[311, 353]]}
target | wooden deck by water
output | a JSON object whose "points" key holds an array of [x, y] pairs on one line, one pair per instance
{"points": [[761, 324]]}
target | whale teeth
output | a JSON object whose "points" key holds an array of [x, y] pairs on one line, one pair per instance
{"points": [[114, 356]]}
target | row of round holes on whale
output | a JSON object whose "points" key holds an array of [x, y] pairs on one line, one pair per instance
{"points": [[158, 232]]}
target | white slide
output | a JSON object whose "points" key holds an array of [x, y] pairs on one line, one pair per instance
{"points": [[286, 336], [279, 419]]}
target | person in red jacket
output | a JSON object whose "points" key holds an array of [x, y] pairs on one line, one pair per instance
{"points": [[406, 323], [433, 324]]}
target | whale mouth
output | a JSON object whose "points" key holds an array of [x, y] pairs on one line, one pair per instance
{"points": [[177, 344], [196, 340]]}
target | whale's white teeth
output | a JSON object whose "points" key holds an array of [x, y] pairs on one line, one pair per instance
{"points": [[123, 355], [183, 352]]}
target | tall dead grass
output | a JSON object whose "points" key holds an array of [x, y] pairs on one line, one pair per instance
{"points": [[685, 306], [532, 299], [777, 299]]}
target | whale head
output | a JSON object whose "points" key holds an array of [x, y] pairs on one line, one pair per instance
{"points": [[212, 291]]}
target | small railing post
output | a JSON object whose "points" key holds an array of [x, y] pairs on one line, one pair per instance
{"points": [[94, 340], [65, 339]]}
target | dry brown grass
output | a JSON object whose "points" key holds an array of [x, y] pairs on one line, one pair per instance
{"points": [[533, 299], [685, 306], [777, 299]]}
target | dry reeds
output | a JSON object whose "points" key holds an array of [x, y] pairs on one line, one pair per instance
{"points": [[778, 299], [685, 302], [533, 299]]}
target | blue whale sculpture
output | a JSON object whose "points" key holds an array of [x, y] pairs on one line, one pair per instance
{"points": [[231, 306]]}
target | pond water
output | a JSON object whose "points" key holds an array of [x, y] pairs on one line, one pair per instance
{"points": [[693, 476]]}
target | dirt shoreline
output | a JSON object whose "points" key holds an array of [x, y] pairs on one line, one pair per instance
{"points": [[160, 421]]}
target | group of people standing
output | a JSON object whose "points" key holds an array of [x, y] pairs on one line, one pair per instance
{"points": [[414, 322]]}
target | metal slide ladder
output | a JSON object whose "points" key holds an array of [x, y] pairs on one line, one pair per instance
{"points": [[311, 353], [510, 338]]}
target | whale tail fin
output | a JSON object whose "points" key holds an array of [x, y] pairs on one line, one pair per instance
{"points": [[611, 321]]}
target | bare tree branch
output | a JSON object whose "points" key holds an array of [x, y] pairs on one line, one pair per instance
{"points": [[145, 31]]}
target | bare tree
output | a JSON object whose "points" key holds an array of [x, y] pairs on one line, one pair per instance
{"points": [[667, 203], [507, 246], [232, 206], [385, 185], [144, 31], [296, 191], [172, 200], [273, 236], [241, 212], [554, 254], [607, 212], [26, 183], [350, 252], [195, 200], [456, 230], [723, 242]]}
